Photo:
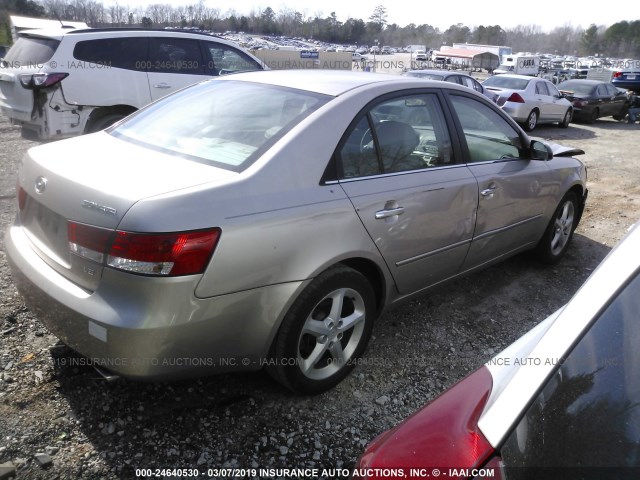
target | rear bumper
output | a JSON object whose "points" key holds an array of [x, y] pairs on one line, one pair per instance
{"points": [[152, 329], [518, 111]]}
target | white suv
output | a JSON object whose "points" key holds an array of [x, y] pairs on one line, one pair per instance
{"points": [[62, 83]]}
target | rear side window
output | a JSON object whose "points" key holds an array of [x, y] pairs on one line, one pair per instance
{"points": [[32, 50], [588, 414], [122, 52], [398, 135]]}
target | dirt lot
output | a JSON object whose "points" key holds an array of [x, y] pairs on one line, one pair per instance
{"points": [[88, 428]]}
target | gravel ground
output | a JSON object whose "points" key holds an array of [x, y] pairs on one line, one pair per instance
{"points": [[58, 419]]}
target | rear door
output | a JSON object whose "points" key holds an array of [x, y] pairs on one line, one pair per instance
{"points": [[398, 169], [550, 110], [514, 192], [174, 63]]}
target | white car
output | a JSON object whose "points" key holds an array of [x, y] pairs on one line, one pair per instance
{"points": [[62, 83], [420, 56], [530, 100]]}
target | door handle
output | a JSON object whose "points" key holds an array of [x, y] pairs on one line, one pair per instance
{"points": [[162, 85], [389, 213], [488, 192]]}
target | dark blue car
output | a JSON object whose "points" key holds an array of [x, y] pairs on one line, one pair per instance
{"points": [[627, 79]]}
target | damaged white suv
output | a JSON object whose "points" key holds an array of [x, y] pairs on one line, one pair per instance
{"points": [[62, 83]]}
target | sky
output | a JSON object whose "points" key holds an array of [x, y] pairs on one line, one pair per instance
{"points": [[506, 13]]}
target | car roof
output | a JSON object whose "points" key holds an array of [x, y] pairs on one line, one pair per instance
{"points": [[331, 82], [432, 72], [58, 33], [582, 80], [523, 77]]}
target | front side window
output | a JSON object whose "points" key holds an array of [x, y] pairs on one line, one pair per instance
{"points": [[541, 88], [471, 83], [488, 136], [588, 414], [228, 124], [225, 59], [397, 135]]}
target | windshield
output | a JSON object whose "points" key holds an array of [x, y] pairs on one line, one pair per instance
{"points": [[228, 124], [506, 82]]}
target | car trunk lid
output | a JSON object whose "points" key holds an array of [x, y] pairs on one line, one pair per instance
{"points": [[93, 180]]}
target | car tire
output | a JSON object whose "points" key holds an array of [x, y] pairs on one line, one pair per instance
{"points": [[103, 122], [531, 122], [568, 116], [557, 236], [595, 114], [324, 332]]}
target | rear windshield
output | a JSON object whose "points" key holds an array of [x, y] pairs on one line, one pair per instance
{"points": [[577, 87], [32, 50], [227, 124], [429, 76], [506, 82]]}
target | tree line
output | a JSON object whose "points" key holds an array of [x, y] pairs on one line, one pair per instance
{"points": [[620, 40]]}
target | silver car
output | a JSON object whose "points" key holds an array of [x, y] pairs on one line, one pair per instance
{"points": [[267, 219], [530, 100]]}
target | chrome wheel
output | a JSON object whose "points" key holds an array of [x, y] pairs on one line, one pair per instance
{"points": [[331, 334], [324, 332], [532, 121], [563, 228]]}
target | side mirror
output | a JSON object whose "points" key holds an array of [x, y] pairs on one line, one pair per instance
{"points": [[540, 151]]}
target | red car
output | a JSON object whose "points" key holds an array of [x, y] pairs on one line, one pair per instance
{"points": [[563, 401]]}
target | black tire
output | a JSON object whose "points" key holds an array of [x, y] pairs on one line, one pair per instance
{"points": [[559, 232], [568, 116], [103, 122], [531, 122], [595, 114], [312, 351]]}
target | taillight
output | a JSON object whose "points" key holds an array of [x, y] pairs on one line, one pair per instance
{"points": [[579, 103], [158, 254], [515, 98], [184, 253], [88, 241], [442, 435], [617, 74], [34, 81]]}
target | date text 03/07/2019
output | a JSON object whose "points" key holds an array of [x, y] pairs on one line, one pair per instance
{"points": [[313, 473]]}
